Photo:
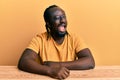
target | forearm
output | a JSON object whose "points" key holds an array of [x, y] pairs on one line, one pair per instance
{"points": [[85, 61], [33, 67], [80, 64]]}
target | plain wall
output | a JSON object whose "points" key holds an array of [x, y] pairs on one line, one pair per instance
{"points": [[96, 21]]}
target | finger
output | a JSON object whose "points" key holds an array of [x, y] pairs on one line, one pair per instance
{"points": [[67, 70], [66, 74], [60, 78]]}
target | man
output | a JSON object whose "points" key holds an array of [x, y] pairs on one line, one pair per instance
{"points": [[57, 50]]}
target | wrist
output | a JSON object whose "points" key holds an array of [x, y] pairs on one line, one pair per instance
{"points": [[48, 71]]}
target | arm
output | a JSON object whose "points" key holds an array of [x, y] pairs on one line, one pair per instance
{"points": [[27, 63], [85, 61]]}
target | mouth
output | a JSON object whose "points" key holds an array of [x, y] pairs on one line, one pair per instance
{"points": [[62, 28]]}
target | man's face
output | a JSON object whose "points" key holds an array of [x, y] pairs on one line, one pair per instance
{"points": [[58, 22]]}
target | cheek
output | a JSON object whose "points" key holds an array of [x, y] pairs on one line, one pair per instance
{"points": [[57, 21], [55, 24]]}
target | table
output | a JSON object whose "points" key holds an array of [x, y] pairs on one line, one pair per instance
{"points": [[99, 73]]}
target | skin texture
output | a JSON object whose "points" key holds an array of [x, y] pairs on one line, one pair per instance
{"points": [[58, 70], [57, 19]]}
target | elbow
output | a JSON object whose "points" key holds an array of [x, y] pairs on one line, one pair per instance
{"points": [[19, 66], [92, 65], [22, 66]]}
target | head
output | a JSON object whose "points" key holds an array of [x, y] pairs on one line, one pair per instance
{"points": [[56, 22]]}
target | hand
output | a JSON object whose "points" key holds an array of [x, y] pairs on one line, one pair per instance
{"points": [[57, 71]]}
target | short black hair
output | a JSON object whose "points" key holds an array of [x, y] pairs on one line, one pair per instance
{"points": [[47, 13], [47, 18]]}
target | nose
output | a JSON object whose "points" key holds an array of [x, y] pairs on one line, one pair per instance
{"points": [[62, 19]]}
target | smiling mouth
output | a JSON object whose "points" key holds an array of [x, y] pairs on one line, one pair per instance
{"points": [[62, 28]]}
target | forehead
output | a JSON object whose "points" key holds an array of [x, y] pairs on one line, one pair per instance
{"points": [[56, 11]]}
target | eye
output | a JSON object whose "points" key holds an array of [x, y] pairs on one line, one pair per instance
{"points": [[57, 18], [63, 16]]}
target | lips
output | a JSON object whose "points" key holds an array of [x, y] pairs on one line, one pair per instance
{"points": [[62, 28]]}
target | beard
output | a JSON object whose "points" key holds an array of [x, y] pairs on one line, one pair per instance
{"points": [[58, 33]]}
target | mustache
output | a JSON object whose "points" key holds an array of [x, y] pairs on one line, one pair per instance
{"points": [[62, 24]]}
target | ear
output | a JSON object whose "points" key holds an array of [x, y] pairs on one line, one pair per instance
{"points": [[47, 24]]}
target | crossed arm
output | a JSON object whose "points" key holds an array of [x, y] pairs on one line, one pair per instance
{"points": [[59, 70]]}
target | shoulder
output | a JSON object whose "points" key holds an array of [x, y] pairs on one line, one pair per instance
{"points": [[41, 36], [73, 35], [76, 38], [78, 42]]}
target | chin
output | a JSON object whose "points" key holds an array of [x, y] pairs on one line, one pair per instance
{"points": [[61, 34]]}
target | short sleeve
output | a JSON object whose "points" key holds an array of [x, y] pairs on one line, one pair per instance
{"points": [[79, 44], [34, 44]]}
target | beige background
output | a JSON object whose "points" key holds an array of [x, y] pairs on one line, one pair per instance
{"points": [[97, 21]]}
